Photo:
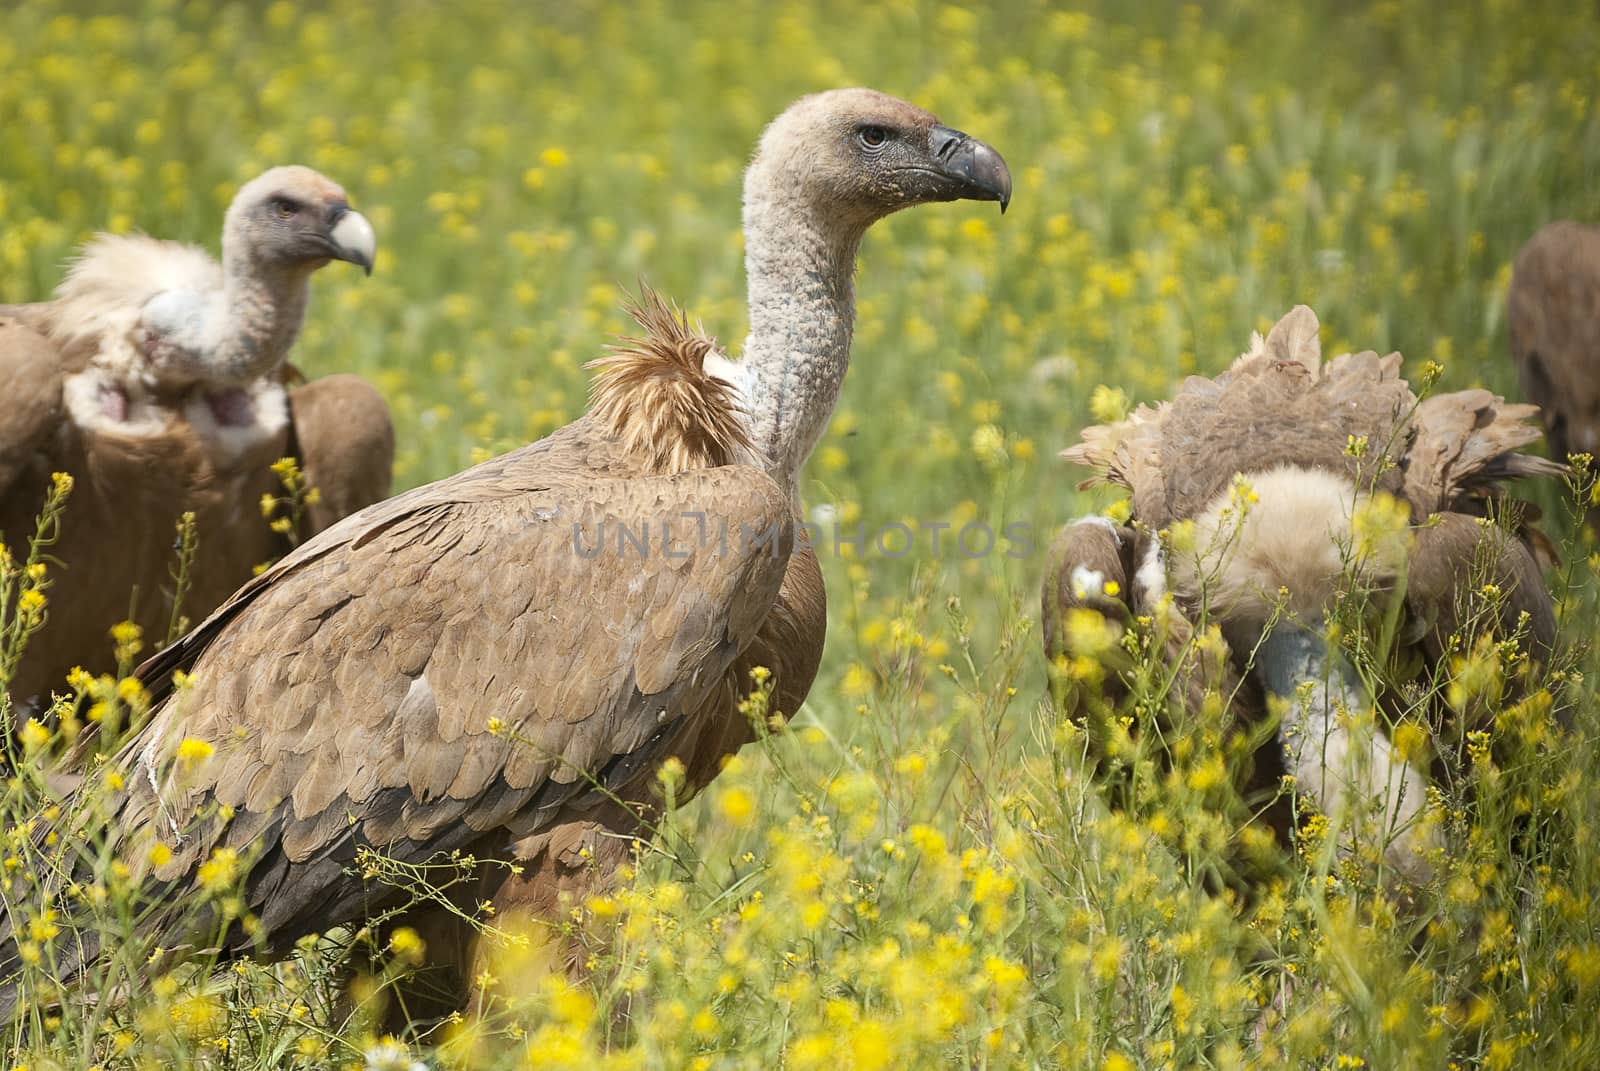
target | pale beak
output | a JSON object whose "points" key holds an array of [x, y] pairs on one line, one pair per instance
{"points": [[353, 240]]}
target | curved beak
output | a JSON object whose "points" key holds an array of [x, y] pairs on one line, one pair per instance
{"points": [[352, 238], [981, 173]]}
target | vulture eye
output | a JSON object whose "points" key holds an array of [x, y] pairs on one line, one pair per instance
{"points": [[872, 137], [284, 208]]}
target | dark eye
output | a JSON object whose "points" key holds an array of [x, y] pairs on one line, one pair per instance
{"points": [[284, 208], [872, 137]]}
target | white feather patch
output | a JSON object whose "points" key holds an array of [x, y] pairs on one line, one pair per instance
{"points": [[736, 374], [270, 403], [108, 284], [1150, 581], [1087, 581], [1343, 767], [86, 394]]}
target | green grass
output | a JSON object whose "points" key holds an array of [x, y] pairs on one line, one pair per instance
{"points": [[1183, 176]]}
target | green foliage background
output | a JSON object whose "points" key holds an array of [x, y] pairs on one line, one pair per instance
{"points": [[1184, 174]]}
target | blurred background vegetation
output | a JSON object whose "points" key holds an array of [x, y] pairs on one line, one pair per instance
{"points": [[1184, 174]]}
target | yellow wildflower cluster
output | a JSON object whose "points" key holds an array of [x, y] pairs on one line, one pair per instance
{"points": [[929, 867]]}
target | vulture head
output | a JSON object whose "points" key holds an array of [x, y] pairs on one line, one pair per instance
{"points": [[860, 155], [825, 170], [297, 219], [160, 336], [281, 226]]}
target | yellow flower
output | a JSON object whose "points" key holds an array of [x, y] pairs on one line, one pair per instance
{"points": [[42, 927], [1411, 741], [1381, 527], [1108, 404], [192, 751], [857, 680], [989, 445], [1089, 634], [407, 945], [1107, 959], [198, 1017], [34, 735], [670, 774], [220, 871], [737, 805]]}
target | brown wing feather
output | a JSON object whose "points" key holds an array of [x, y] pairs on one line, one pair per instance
{"points": [[129, 491], [32, 371], [1278, 404], [1450, 552], [72, 352], [412, 624], [36, 316], [1126, 453], [344, 440], [1281, 405], [1465, 443]]}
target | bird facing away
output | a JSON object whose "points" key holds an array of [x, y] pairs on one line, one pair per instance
{"points": [[1553, 313], [156, 378], [506, 656], [1283, 546]]}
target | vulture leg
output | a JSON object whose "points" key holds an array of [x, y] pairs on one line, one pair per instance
{"points": [[345, 443], [1330, 762]]}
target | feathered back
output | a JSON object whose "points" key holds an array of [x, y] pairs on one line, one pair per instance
{"points": [[1281, 405], [656, 396]]}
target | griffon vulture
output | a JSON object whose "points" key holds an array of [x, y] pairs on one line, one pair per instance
{"points": [[1306, 437], [493, 659], [156, 378], [1553, 312]]}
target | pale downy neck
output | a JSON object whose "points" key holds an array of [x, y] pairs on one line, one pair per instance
{"points": [[799, 265], [254, 324]]}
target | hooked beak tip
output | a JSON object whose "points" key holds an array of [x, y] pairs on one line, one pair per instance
{"points": [[354, 241], [980, 170]]}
